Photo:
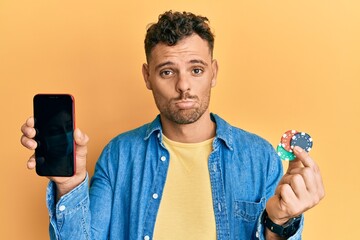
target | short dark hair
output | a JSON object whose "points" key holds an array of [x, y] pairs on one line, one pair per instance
{"points": [[174, 26]]}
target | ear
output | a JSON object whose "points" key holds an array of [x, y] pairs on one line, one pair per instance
{"points": [[145, 72], [214, 66]]}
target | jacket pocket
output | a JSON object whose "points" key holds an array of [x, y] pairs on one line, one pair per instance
{"points": [[249, 211]]}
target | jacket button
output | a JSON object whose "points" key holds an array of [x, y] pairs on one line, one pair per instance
{"points": [[146, 237]]}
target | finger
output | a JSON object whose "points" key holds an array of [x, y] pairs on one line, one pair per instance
{"points": [[28, 128], [287, 197], [31, 163], [313, 180], [81, 138], [304, 157], [294, 164], [307, 161], [309, 178], [28, 142], [30, 122], [321, 188], [81, 141], [297, 184]]}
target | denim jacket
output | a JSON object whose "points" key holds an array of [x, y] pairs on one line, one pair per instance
{"points": [[126, 189]]}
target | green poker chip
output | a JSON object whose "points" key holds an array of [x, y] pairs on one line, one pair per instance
{"points": [[283, 154]]}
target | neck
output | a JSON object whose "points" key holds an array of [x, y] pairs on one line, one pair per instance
{"points": [[203, 129]]}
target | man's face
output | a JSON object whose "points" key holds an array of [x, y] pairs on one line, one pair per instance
{"points": [[181, 78]]}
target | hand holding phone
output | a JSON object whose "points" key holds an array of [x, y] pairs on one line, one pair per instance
{"points": [[64, 184]]}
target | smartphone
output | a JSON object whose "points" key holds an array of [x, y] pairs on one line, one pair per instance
{"points": [[54, 116]]}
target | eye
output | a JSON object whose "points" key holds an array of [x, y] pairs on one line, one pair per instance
{"points": [[197, 71], [166, 73]]}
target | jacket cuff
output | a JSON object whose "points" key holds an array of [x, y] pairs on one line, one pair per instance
{"points": [[260, 233], [67, 203]]}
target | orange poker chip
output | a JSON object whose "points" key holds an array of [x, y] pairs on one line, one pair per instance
{"points": [[286, 139]]}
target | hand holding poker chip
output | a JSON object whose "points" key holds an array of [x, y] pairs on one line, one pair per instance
{"points": [[289, 140]]}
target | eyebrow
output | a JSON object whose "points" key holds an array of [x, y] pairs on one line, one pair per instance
{"points": [[170, 63], [199, 61], [164, 64]]}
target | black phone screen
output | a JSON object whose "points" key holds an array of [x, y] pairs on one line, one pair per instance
{"points": [[54, 125]]}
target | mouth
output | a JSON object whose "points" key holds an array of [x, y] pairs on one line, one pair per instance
{"points": [[185, 104]]}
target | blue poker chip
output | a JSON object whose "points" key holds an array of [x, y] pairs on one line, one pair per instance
{"points": [[302, 140]]}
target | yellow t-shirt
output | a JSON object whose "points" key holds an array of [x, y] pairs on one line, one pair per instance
{"points": [[186, 209]]}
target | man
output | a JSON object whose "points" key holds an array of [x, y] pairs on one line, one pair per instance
{"points": [[188, 174]]}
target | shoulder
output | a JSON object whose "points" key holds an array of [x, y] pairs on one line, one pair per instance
{"points": [[138, 136], [133, 136], [237, 137], [125, 148], [249, 138]]}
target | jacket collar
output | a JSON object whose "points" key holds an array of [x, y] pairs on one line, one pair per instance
{"points": [[223, 130]]}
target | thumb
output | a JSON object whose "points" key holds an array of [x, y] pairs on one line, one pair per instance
{"points": [[81, 140], [297, 162]]}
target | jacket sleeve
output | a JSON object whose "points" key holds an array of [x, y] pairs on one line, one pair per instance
{"points": [[296, 236], [70, 216], [84, 213]]}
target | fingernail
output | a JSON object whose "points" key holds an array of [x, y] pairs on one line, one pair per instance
{"points": [[298, 149]]}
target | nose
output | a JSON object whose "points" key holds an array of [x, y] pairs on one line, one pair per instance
{"points": [[183, 83]]}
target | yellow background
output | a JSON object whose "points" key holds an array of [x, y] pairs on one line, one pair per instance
{"points": [[283, 64]]}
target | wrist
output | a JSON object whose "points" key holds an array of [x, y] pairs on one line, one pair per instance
{"points": [[278, 221], [283, 228], [69, 184]]}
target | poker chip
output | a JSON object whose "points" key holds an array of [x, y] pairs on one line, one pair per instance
{"points": [[286, 139], [289, 140], [302, 140], [283, 154]]}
